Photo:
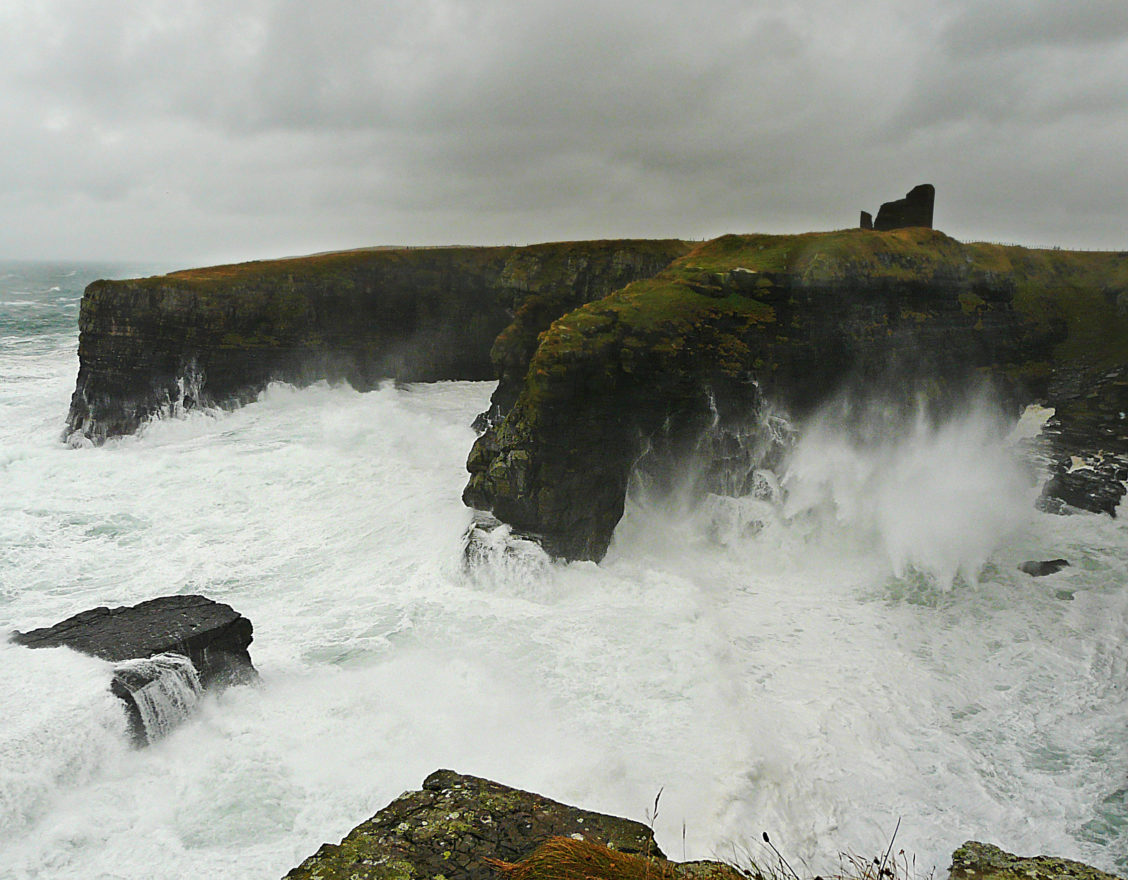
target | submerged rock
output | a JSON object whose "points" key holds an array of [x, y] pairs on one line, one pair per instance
{"points": [[153, 643], [1036, 568], [455, 824], [983, 861], [159, 692]]}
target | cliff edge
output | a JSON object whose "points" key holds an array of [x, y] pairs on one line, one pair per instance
{"points": [[750, 321], [218, 336]]}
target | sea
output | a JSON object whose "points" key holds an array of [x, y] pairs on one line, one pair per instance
{"points": [[850, 661]]}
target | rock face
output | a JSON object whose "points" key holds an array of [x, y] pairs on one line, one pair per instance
{"points": [[982, 861], [218, 336], [915, 209], [211, 635], [454, 824], [743, 323]]}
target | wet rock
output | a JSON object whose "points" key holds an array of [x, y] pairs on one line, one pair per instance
{"points": [[217, 336], [454, 824], [1042, 568], [983, 861], [211, 635], [913, 316], [1097, 488]]}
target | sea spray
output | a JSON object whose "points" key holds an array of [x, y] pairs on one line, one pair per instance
{"points": [[768, 679], [938, 496], [61, 728]]}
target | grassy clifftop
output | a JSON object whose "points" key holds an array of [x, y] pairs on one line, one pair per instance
{"points": [[418, 314], [1084, 293], [794, 318]]}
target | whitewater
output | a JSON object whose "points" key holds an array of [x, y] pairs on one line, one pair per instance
{"points": [[853, 647]]}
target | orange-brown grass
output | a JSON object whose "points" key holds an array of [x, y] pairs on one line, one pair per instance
{"points": [[564, 858]]}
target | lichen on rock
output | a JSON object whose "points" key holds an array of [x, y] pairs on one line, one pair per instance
{"points": [[455, 824], [984, 861]]}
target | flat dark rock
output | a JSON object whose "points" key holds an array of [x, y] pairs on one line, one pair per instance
{"points": [[1036, 568], [213, 635], [454, 824]]}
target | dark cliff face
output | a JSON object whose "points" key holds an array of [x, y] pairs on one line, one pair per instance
{"points": [[792, 320], [551, 284], [218, 336]]}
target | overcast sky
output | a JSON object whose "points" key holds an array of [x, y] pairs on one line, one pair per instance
{"points": [[204, 132]]}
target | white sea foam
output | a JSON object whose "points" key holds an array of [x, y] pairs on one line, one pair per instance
{"points": [[938, 498], [772, 673], [168, 693]]}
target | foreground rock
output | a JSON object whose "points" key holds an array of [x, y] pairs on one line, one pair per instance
{"points": [[466, 828], [217, 336], [167, 650], [458, 827], [982, 861], [692, 362]]}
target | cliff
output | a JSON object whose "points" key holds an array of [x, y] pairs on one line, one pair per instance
{"points": [[217, 336], [743, 322]]}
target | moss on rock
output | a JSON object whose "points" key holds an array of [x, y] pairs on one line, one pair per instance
{"points": [[983, 861], [455, 825], [219, 335], [794, 319]]}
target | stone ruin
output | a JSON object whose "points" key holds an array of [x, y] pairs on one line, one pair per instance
{"points": [[915, 209]]}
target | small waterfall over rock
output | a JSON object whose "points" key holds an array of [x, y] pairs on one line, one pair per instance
{"points": [[164, 689], [728, 454]]}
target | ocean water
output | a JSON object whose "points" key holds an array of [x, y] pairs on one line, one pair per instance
{"points": [[856, 650]]}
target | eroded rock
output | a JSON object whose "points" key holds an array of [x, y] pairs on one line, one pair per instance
{"points": [[983, 861], [744, 323], [211, 636], [454, 824], [218, 336]]}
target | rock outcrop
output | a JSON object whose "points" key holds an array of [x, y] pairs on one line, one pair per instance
{"points": [[744, 322], [209, 635], [983, 861], [218, 336], [459, 828], [466, 828]]}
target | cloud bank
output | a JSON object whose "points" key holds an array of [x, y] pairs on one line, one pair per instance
{"points": [[196, 132]]}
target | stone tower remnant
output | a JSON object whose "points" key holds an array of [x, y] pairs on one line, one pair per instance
{"points": [[915, 209]]}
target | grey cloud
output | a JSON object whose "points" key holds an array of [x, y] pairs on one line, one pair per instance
{"points": [[1009, 25], [262, 124]]}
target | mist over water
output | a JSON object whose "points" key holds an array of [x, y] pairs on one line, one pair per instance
{"points": [[937, 497], [852, 646]]}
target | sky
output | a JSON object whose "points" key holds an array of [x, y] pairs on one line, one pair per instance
{"points": [[204, 132]]}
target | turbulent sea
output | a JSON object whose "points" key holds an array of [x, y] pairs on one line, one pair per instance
{"points": [[860, 651]]}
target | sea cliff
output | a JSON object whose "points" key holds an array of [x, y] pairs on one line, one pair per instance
{"points": [[217, 336], [744, 323]]}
